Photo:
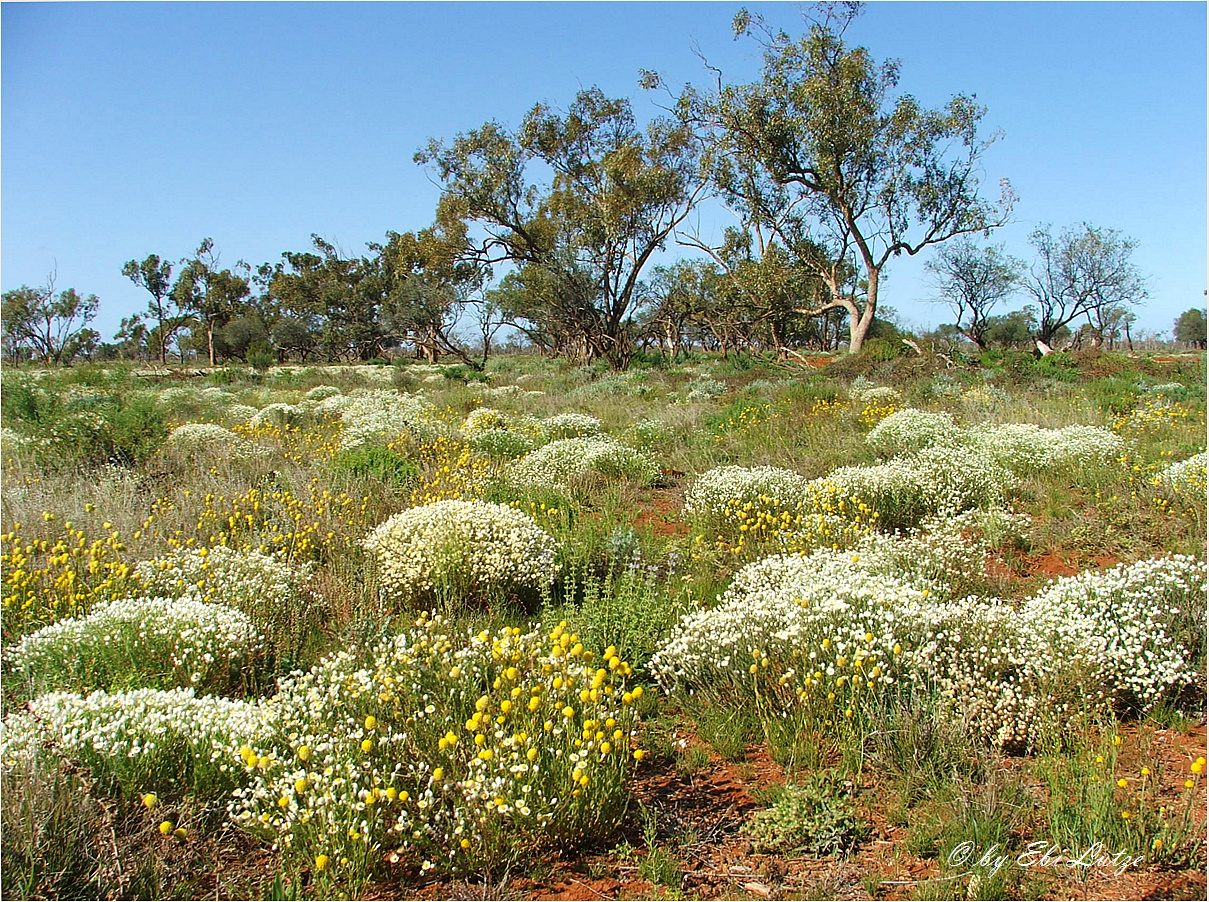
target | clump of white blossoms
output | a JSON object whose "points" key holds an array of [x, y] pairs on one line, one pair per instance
{"points": [[259, 585], [716, 491], [557, 463], [320, 392], [469, 547], [455, 752], [911, 430], [1128, 634], [174, 641], [1185, 477], [280, 415], [569, 425], [211, 439], [380, 416], [906, 490], [833, 632], [483, 418], [142, 739]]}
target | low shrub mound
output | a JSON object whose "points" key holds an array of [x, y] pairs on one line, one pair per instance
{"points": [[138, 642], [559, 462], [464, 549], [456, 753]]}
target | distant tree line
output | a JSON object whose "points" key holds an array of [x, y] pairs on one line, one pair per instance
{"points": [[550, 230]]}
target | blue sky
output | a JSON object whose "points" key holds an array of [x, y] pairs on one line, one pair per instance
{"points": [[138, 128]]}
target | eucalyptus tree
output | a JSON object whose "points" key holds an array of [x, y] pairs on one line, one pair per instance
{"points": [[578, 201], [972, 280], [428, 289], [50, 325], [1081, 272], [333, 296], [1190, 327], [210, 295], [819, 153], [155, 275]]}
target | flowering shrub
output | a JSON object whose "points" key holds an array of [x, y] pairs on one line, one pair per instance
{"points": [[569, 425], [138, 642], [905, 490], [467, 547], [704, 388], [455, 753], [278, 415], [558, 462], [911, 430], [322, 392], [1185, 479], [380, 416], [211, 440], [1131, 633], [718, 490], [502, 444], [142, 740], [272, 592], [65, 574], [831, 633]]}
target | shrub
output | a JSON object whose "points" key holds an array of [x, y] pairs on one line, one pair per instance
{"points": [[558, 462], [272, 592], [570, 425], [483, 418], [380, 464], [138, 642], [815, 816], [911, 430], [211, 441], [470, 549], [166, 742], [457, 753], [378, 417], [502, 444]]}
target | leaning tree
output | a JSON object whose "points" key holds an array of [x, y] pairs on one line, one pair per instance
{"points": [[818, 152]]}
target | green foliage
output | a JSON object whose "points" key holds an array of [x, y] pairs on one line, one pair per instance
{"points": [[377, 463], [815, 815]]}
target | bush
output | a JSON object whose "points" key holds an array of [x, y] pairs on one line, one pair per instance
{"points": [[557, 463], [134, 643], [460, 754], [467, 550]]}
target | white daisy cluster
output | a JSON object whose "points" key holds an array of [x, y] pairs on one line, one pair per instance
{"points": [[1185, 477], [830, 631], [142, 739], [183, 641], [879, 395], [280, 415], [1130, 632], [716, 491], [380, 416], [211, 439], [1025, 448], [558, 462], [257, 584], [450, 751], [911, 430], [468, 546], [905, 490], [322, 392], [570, 425], [504, 444], [1021, 447]]}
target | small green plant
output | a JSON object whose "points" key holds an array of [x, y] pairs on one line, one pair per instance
{"points": [[816, 815]]}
